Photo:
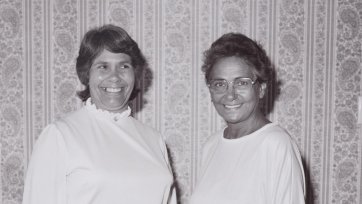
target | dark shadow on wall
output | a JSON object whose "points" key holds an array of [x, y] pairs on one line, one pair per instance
{"points": [[308, 183], [272, 93], [142, 85], [267, 105], [176, 184]]}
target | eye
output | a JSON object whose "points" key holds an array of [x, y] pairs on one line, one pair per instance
{"points": [[218, 84], [242, 82], [101, 66], [125, 66]]}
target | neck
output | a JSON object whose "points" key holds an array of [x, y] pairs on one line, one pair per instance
{"points": [[237, 130]]}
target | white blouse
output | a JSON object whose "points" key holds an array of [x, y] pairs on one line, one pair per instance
{"points": [[263, 167], [94, 156]]}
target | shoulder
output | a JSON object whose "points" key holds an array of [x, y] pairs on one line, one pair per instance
{"points": [[75, 116], [278, 143], [50, 140], [51, 131], [282, 155], [208, 149], [150, 135], [57, 129], [142, 127], [210, 145], [211, 142], [76, 120], [276, 136]]}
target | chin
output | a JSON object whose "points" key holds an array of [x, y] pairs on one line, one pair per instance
{"points": [[115, 107], [116, 110], [234, 118], [233, 121]]}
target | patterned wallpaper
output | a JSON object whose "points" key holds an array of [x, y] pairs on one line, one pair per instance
{"points": [[315, 45]]}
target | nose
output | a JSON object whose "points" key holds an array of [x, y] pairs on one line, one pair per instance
{"points": [[115, 75], [230, 92]]}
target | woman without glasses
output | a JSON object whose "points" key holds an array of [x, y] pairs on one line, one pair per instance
{"points": [[252, 160], [100, 154]]}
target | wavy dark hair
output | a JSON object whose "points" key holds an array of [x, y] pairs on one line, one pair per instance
{"points": [[114, 39], [239, 45]]}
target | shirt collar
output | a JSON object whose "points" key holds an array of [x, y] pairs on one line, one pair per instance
{"points": [[107, 114]]}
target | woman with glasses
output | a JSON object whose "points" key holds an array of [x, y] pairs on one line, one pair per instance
{"points": [[251, 160]]}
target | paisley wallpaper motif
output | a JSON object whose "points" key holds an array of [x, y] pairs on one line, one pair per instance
{"points": [[316, 47]]}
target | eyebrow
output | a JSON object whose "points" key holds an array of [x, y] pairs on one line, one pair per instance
{"points": [[99, 62], [120, 62], [233, 79]]}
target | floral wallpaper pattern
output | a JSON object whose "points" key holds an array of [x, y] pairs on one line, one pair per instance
{"points": [[315, 46]]}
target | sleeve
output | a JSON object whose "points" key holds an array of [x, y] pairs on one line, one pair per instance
{"points": [[207, 152], [286, 182], [45, 180], [170, 196]]}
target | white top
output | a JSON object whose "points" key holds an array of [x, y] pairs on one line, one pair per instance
{"points": [[98, 157], [263, 167]]}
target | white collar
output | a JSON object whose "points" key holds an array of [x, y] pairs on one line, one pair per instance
{"points": [[107, 114]]}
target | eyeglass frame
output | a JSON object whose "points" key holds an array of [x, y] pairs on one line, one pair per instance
{"points": [[231, 82]]}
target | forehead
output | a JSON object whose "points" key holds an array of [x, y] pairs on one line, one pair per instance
{"points": [[107, 56], [230, 68]]}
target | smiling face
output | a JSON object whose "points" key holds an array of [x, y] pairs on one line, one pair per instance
{"points": [[236, 106], [111, 81]]}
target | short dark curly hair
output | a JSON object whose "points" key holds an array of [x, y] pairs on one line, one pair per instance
{"points": [[114, 39], [239, 45]]}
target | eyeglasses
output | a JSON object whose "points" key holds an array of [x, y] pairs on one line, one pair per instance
{"points": [[239, 84]]}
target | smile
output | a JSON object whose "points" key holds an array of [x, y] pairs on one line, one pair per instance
{"points": [[232, 106], [112, 90]]}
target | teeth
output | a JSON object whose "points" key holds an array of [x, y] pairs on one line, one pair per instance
{"points": [[233, 106], [112, 90]]}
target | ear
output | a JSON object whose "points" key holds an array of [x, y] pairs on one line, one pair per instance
{"points": [[262, 90]]}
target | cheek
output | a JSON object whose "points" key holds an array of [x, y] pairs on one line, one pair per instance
{"points": [[94, 77], [214, 98], [252, 98], [95, 80], [131, 78]]}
